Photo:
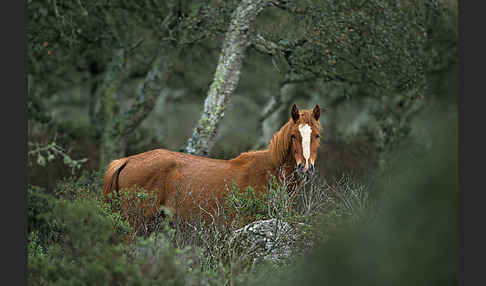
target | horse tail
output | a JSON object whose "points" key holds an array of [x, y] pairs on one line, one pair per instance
{"points": [[112, 174]]}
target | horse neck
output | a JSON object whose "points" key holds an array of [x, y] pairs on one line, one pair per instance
{"points": [[283, 163], [279, 147]]}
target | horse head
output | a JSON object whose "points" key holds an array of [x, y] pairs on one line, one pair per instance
{"points": [[304, 138]]}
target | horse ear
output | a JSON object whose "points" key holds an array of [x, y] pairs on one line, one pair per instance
{"points": [[316, 112], [295, 113]]}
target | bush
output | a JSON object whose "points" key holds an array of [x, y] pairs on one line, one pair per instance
{"points": [[87, 185], [246, 204], [163, 264], [87, 249], [141, 209], [34, 245], [91, 244], [39, 203], [249, 206]]}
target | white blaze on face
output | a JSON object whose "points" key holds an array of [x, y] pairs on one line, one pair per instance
{"points": [[305, 133]]}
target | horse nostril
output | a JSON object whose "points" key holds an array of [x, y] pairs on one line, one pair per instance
{"points": [[311, 169], [300, 167]]}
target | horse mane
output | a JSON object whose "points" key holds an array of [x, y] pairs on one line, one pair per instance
{"points": [[280, 142]]}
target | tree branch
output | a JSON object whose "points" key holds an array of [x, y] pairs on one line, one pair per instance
{"points": [[109, 148], [266, 46], [152, 85], [226, 77], [276, 101]]}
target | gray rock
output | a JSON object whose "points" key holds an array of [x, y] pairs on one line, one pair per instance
{"points": [[263, 241]]}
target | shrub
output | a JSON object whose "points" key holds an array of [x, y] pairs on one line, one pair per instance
{"points": [[249, 206], [87, 185], [246, 204], [38, 203], [87, 249], [90, 249], [141, 209], [323, 209], [34, 245]]}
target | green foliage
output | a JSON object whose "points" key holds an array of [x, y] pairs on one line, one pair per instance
{"points": [[250, 206], [442, 34], [278, 203], [86, 249], [246, 203], [374, 43], [379, 52], [34, 245], [161, 263], [41, 233], [85, 186]]}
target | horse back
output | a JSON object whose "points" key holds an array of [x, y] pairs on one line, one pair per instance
{"points": [[181, 181]]}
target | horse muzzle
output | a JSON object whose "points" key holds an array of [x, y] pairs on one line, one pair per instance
{"points": [[302, 171]]}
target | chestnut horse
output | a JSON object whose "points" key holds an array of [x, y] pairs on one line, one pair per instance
{"points": [[186, 184]]}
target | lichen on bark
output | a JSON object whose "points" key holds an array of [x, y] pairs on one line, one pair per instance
{"points": [[110, 85], [236, 41]]}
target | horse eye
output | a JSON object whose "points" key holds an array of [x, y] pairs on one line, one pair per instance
{"points": [[317, 136], [292, 137]]}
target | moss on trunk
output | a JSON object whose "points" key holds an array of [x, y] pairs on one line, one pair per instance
{"points": [[226, 77]]}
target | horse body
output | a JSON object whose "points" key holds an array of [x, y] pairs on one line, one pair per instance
{"points": [[188, 184]]}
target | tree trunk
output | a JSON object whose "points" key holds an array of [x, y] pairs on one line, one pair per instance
{"points": [[118, 126], [226, 77], [110, 148]]}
